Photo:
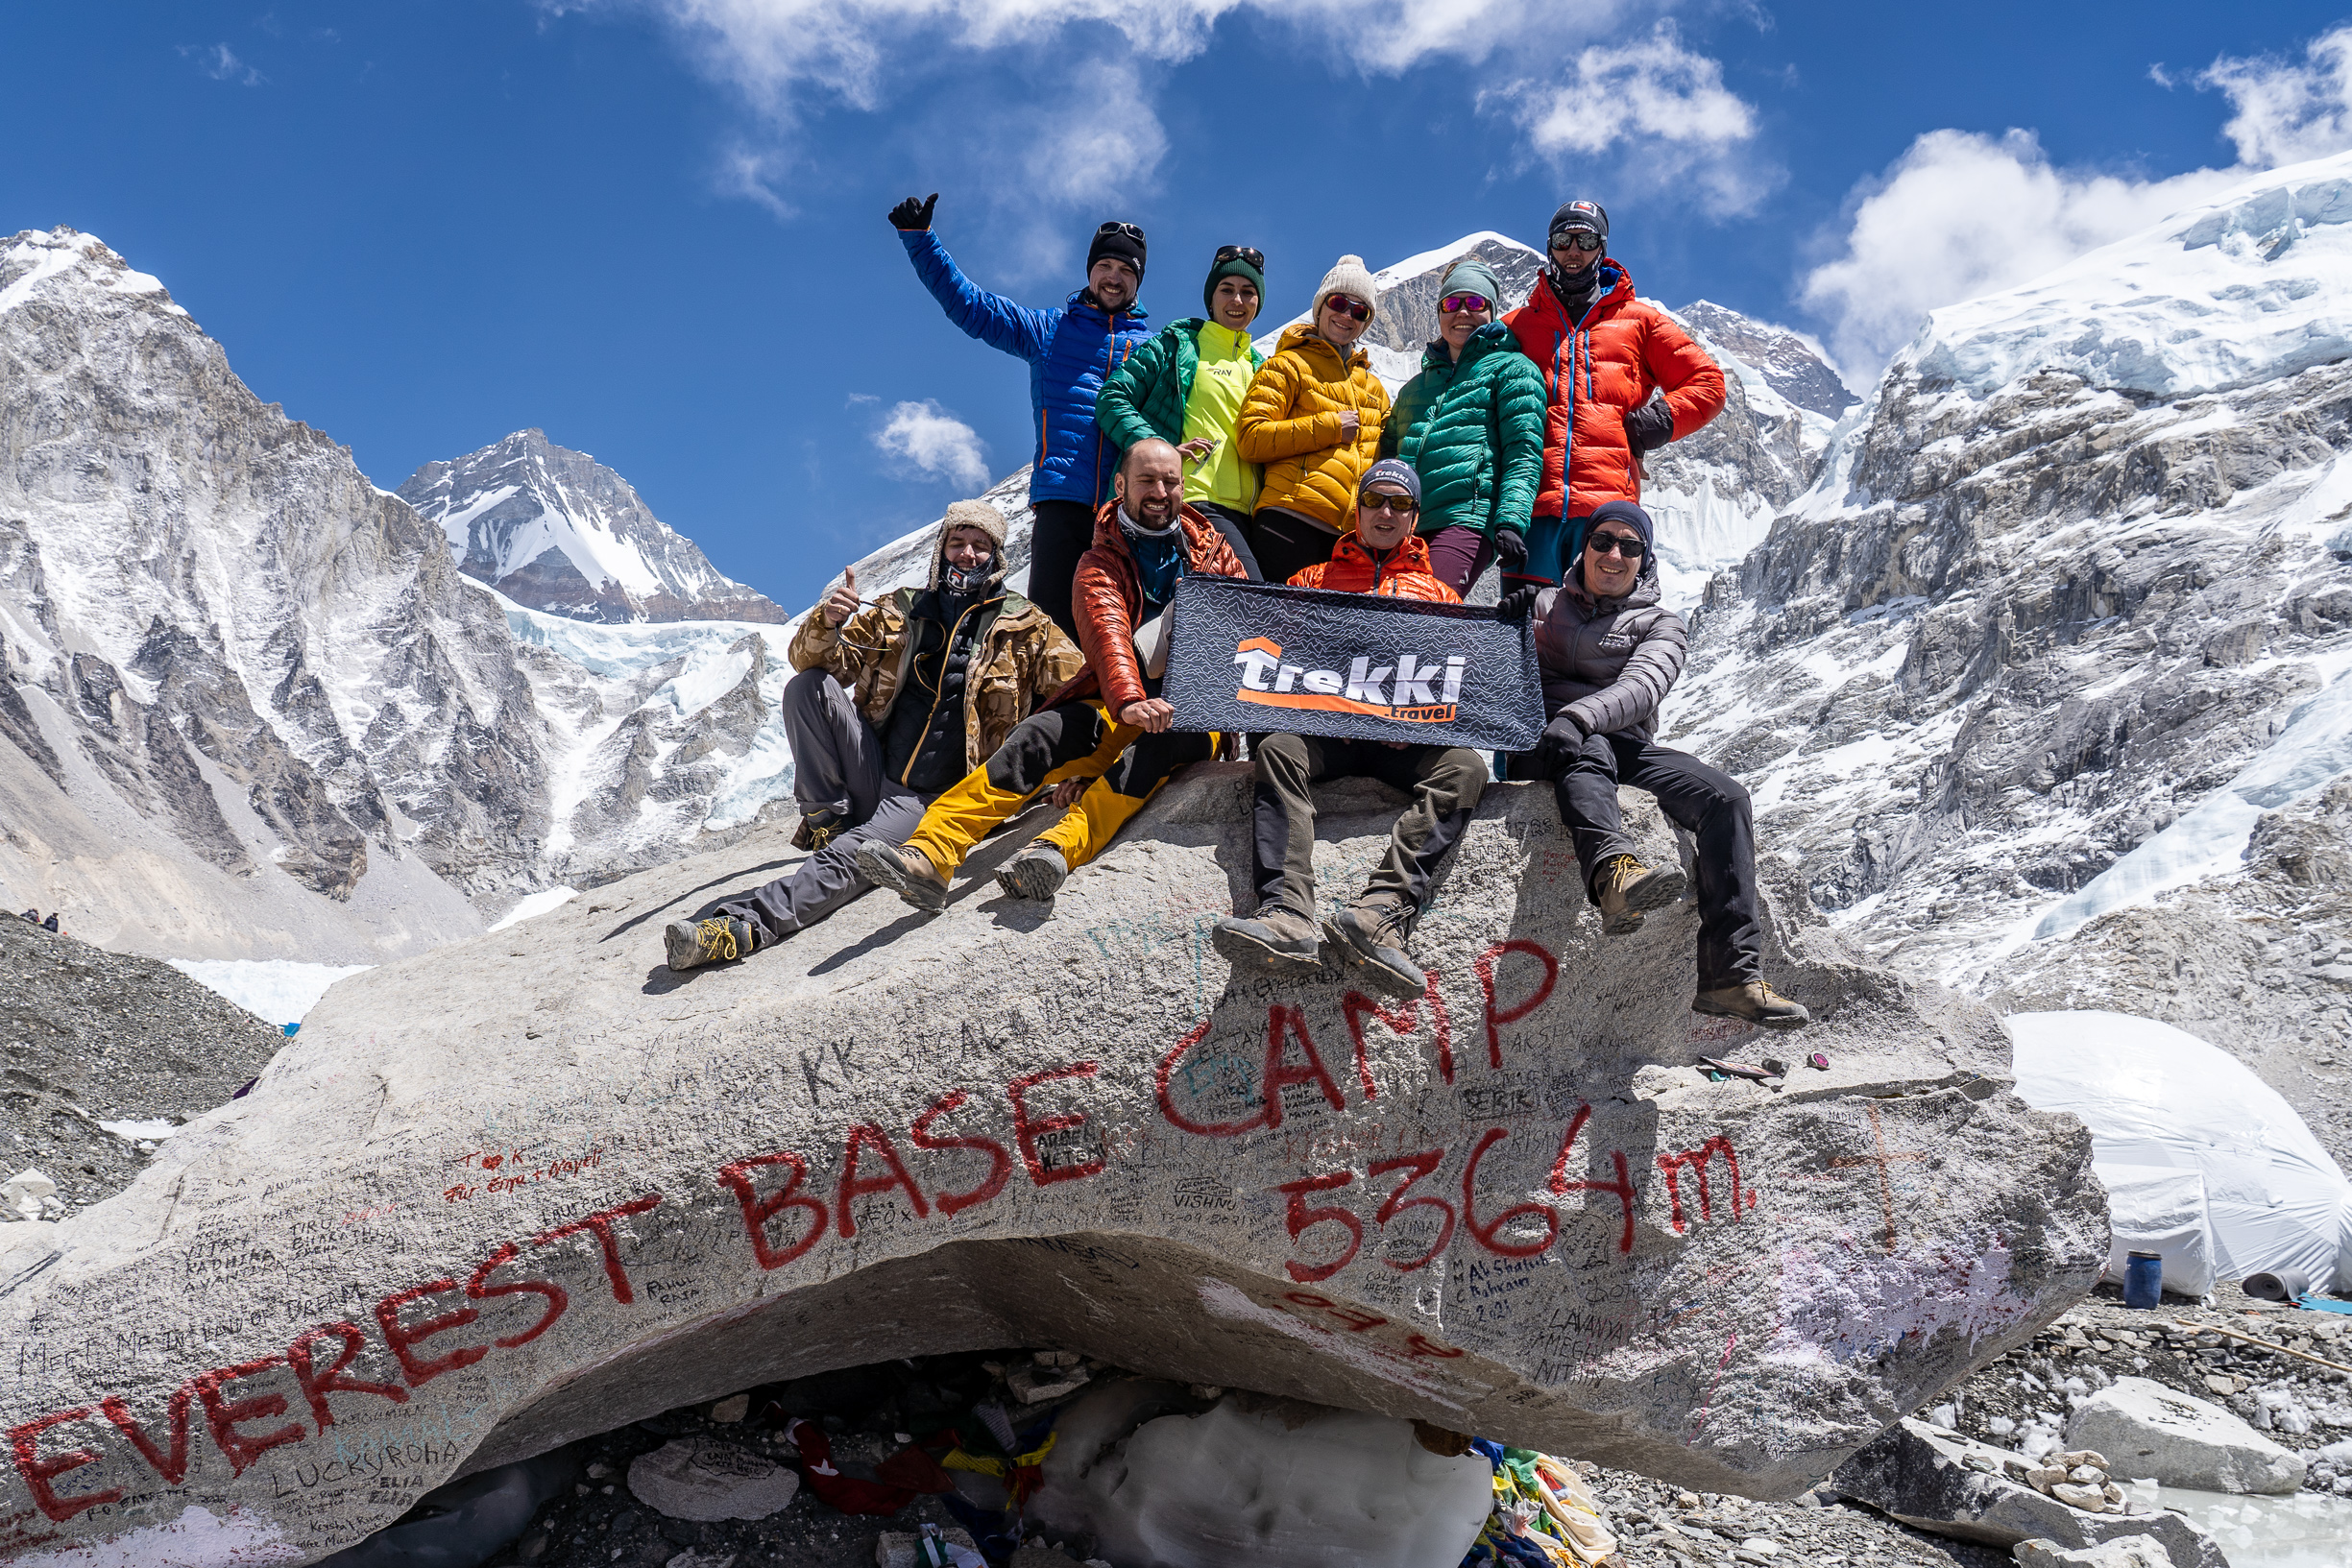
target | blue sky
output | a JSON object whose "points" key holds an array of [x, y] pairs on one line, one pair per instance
{"points": [[656, 229]]}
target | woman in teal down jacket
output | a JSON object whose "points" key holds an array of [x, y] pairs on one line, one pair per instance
{"points": [[1472, 425]]}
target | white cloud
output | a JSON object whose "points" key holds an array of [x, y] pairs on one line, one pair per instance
{"points": [[1667, 107], [1961, 214], [220, 63], [935, 442], [2287, 112]]}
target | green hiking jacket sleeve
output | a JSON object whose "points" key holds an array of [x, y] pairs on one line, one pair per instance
{"points": [[1144, 398], [1519, 427]]}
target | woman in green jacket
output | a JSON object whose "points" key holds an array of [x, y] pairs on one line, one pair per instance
{"points": [[1472, 425], [1184, 386]]}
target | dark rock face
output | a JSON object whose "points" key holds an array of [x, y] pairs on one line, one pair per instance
{"points": [[1787, 363], [557, 530]]}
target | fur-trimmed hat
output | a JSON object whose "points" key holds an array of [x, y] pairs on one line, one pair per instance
{"points": [[978, 515], [1352, 279]]}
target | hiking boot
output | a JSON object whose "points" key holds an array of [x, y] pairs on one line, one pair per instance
{"points": [[906, 871], [1277, 938], [1757, 1002], [717, 940], [1373, 936], [818, 829], [1628, 889], [1038, 872]]}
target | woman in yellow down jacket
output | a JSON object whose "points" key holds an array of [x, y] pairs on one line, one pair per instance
{"points": [[1313, 416]]}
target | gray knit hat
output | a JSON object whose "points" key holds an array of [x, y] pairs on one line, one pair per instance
{"points": [[1350, 278], [1471, 276]]}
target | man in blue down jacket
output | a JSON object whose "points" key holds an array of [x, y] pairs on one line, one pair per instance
{"points": [[1609, 653], [1071, 353]]}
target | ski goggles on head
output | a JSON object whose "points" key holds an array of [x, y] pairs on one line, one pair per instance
{"points": [[1633, 549], [1240, 252], [1579, 240], [1353, 309], [1453, 304]]}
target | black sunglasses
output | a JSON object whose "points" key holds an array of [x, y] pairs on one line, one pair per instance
{"points": [[1240, 252], [1583, 239], [1633, 549], [1131, 230]]}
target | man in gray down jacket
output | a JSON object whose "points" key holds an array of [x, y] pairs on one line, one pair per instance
{"points": [[1610, 653]]}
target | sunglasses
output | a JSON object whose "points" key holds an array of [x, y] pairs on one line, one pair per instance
{"points": [[1240, 252], [1384, 502], [1577, 239], [1131, 230], [1353, 309], [1454, 305], [1633, 549]]}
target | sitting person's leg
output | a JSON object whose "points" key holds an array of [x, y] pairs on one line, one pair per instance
{"points": [[1445, 783], [1069, 740], [1620, 886], [1090, 825], [1712, 807], [838, 782], [1282, 933], [830, 877]]}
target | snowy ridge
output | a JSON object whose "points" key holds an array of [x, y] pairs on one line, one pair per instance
{"points": [[556, 529]]}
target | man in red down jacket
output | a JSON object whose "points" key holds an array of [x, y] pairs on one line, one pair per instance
{"points": [[1603, 353]]}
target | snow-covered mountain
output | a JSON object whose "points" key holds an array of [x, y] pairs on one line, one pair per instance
{"points": [[2066, 624], [251, 708], [557, 530]]}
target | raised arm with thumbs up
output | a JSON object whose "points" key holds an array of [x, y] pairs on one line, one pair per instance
{"points": [[842, 602]]}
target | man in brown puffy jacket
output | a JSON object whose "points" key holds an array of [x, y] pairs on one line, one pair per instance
{"points": [[1107, 741], [1610, 653], [895, 701]]}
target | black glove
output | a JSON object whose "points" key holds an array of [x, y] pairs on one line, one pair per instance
{"points": [[1562, 738], [1517, 604], [914, 212], [1649, 427], [1511, 548]]}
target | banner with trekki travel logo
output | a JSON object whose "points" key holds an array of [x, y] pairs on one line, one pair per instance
{"points": [[1272, 659]]}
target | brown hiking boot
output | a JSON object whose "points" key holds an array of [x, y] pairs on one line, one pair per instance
{"points": [[1277, 938], [904, 870], [1757, 1002], [718, 940], [1625, 890], [1373, 936]]}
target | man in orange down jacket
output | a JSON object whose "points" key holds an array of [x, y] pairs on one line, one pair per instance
{"points": [[1382, 554], [1106, 742], [1603, 353]]}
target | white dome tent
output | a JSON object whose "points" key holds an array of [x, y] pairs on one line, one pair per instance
{"points": [[2203, 1162]]}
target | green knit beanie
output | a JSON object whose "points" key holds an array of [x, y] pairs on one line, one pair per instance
{"points": [[1471, 276], [1235, 268]]}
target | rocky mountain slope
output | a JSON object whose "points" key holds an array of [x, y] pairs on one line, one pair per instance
{"points": [[557, 530], [251, 709], [2063, 624]]}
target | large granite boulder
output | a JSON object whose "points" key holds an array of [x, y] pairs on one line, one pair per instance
{"points": [[534, 1186], [2149, 1430]]}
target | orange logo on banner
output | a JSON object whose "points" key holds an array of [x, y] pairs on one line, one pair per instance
{"points": [[1411, 690]]}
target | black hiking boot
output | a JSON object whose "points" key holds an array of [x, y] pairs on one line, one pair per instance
{"points": [[718, 940], [1038, 872], [1277, 938], [818, 829], [904, 870], [1757, 1002], [1372, 934], [1626, 889]]}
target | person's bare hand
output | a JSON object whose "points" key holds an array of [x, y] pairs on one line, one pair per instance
{"points": [[842, 602], [1150, 716], [1198, 448], [1067, 792], [1350, 424]]}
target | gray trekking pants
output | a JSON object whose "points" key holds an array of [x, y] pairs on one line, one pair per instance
{"points": [[836, 766], [1445, 782]]}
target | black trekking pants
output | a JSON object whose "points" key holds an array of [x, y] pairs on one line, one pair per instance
{"points": [[1711, 807], [1060, 533]]}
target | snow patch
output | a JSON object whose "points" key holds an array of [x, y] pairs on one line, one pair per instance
{"points": [[532, 905], [273, 989]]}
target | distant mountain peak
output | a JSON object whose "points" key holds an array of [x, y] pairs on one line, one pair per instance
{"points": [[556, 530], [1790, 362]]}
